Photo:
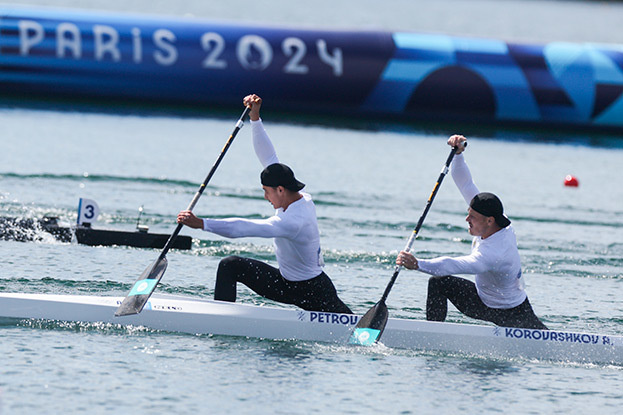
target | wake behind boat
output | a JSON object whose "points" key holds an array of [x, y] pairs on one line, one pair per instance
{"points": [[31, 229], [197, 316]]}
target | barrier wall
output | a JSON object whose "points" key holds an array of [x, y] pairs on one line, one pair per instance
{"points": [[73, 53]]}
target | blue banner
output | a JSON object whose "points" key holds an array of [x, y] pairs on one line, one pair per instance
{"points": [[158, 60]]}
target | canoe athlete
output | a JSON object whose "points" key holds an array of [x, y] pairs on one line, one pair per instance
{"points": [[300, 279], [498, 295]]}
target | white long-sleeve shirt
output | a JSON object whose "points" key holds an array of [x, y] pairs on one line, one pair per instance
{"points": [[494, 260], [264, 149], [295, 230]]}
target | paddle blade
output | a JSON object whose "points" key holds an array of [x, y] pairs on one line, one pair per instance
{"points": [[142, 289], [370, 327]]}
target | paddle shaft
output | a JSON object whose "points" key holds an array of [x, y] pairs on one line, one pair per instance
{"points": [[192, 204], [142, 289], [415, 232]]}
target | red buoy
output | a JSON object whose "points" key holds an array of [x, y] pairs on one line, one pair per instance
{"points": [[571, 181]]}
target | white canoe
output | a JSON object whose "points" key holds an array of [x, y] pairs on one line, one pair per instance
{"points": [[196, 316]]}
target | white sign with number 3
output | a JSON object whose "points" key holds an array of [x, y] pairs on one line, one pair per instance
{"points": [[88, 211]]}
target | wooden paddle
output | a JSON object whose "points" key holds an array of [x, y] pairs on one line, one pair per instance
{"points": [[370, 327], [147, 282]]}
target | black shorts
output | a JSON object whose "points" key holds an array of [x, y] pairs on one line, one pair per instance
{"points": [[316, 294], [463, 294]]}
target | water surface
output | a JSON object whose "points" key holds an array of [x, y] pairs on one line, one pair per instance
{"points": [[370, 186]]}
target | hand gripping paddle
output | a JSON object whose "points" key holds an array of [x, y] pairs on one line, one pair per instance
{"points": [[147, 282], [370, 327]]}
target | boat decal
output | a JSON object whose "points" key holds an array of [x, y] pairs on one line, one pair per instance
{"points": [[166, 307], [332, 318], [553, 336]]}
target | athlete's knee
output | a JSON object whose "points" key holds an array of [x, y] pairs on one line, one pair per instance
{"points": [[230, 267], [229, 263], [437, 283]]}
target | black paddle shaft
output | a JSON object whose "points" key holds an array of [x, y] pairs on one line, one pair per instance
{"points": [[134, 302], [443, 173], [206, 181], [371, 326]]}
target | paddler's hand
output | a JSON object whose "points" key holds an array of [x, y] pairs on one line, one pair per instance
{"points": [[189, 219], [407, 260], [457, 141], [255, 102]]}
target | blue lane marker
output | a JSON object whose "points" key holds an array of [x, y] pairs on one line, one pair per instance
{"points": [[143, 286], [364, 337]]}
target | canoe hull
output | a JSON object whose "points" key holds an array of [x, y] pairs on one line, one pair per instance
{"points": [[103, 237], [196, 316]]}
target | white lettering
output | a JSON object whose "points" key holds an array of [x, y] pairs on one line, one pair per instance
{"points": [[137, 46], [30, 34], [68, 38], [106, 41], [164, 40], [295, 48], [214, 52], [334, 61], [252, 51]]}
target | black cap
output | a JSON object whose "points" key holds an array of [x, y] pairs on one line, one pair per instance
{"points": [[280, 175], [488, 204]]}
